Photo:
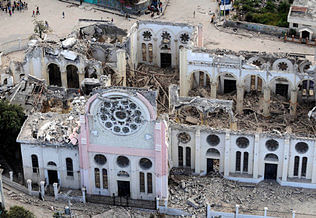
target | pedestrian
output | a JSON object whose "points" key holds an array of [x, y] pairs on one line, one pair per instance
{"points": [[80, 2], [63, 14], [160, 9], [193, 14], [46, 24], [33, 14], [37, 11], [112, 20]]}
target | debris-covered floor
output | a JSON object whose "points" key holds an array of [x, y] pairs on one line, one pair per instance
{"points": [[193, 193]]}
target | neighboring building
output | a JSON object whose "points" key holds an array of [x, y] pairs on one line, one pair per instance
{"points": [[302, 18], [159, 43], [2, 203]]}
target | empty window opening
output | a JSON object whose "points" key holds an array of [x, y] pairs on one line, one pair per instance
{"points": [[149, 183], [97, 178], [200, 79], [5, 81], [145, 163], [54, 75], [142, 182], [255, 83], [90, 72], [242, 142], [105, 178], [270, 171], [238, 160], [184, 137], [150, 52], [296, 165], [245, 163], [69, 166], [165, 60], [100, 159], [229, 86], [180, 156], [72, 77], [301, 147], [212, 140], [144, 52], [307, 88], [272, 145], [122, 161], [188, 156], [281, 89], [304, 166], [34, 163]]}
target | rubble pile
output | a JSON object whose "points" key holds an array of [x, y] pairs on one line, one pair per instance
{"points": [[148, 77], [52, 128], [193, 193]]}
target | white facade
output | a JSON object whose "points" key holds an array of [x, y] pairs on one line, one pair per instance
{"points": [[51, 162], [158, 43], [293, 158]]}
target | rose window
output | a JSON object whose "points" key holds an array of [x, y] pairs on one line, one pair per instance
{"points": [[147, 35], [121, 116], [282, 66], [184, 38]]}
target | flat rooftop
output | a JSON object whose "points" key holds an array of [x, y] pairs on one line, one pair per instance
{"points": [[305, 9]]}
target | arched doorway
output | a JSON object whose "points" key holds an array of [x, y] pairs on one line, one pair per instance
{"points": [[200, 84], [72, 77], [271, 166], [212, 160], [54, 75]]}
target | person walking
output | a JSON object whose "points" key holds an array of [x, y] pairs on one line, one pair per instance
{"points": [[37, 11], [193, 14], [33, 15], [63, 14]]}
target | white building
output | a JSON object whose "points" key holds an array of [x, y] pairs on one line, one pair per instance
{"points": [[302, 18]]}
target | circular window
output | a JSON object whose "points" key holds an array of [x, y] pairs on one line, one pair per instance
{"points": [[120, 115], [242, 142], [301, 147], [184, 137], [122, 161], [213, 140], [272, 145], [100, 159], [145, 163]]}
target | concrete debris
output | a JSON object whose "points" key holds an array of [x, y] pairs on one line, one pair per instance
{"points": [[69, 55], [69, 43], [223, 194]]}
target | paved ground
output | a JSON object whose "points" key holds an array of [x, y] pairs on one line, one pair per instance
{"points": [[21, 24]]}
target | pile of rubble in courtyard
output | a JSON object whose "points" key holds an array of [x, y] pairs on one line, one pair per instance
{"points": [[193, 193]]}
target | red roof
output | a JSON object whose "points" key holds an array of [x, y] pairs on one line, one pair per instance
{"points": [[299, 9]]}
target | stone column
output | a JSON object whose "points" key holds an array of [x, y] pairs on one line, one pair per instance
{"points": [[293, 102], [285, 158], [64, 79], [155, 51], [29, 186], [121, 66], [83, 190], [266, 101], [55, 190], [184, 81], [227, 154], [256, 157], [314, 165], [197, 150], [42, 188], [213, 90], [240, 98], [1, 189], [11, 176], [176, 55], [200, 36], [1, 58], [81, 78]]}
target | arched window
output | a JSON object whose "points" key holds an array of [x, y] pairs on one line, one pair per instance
{"points": [[72, 77], [296, 165], [245, 164], [144, 52], [34, 163], [304, 166], [150, 52], [238, 160], [149, 183], [105, 178], [141, 182], [97, 177], [69, 166], [188, 156], [180, 156]]}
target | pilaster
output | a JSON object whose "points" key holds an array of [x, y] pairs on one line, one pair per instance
{"points": [[285, 158], [240, 98], [266, 101], [197, 150], [293, 102], [227, 154], [256, 156], [184, 82]]}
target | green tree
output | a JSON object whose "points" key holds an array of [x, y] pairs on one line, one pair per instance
{"points": [[19, 212], [11, 120]]}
